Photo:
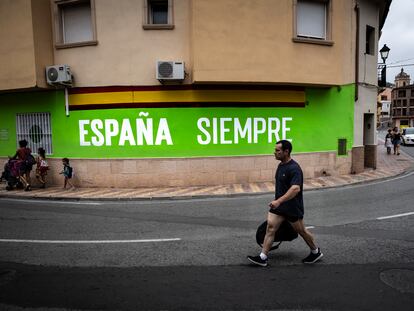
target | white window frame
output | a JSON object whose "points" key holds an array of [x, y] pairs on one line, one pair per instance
{"points": [[36, 129], [303, 38], [147, 18], [58, 7]]}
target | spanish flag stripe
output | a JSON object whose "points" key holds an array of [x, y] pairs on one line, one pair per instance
{"points": [[187, 96]]}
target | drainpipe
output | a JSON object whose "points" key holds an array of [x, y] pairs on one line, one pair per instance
{"points": [[66, 101], [357, 49]]}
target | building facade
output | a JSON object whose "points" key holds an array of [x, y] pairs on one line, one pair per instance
{"points": [[179, 92], [384, 107], [402, 107]]}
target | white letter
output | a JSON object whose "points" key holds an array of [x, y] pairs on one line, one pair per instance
{"points": [[126, 133], [83, 133], [111, 130], [238, 130], [256, 129], [223, 131], [284, 128], [272, 130], [215, 134], [144, 130], [205, 132], [96, 126], [163, 132]]}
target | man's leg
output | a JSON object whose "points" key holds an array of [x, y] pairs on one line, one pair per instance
{"points": [[273, 223], [315, 254], [300, 228]]}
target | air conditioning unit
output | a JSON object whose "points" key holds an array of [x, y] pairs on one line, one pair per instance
{"points": [[170, 71], [59, 75]]}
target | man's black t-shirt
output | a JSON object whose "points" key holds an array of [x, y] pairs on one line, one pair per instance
{"points": [[289, 174]]}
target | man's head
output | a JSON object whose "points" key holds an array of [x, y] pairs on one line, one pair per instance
{"points": [[282, 150]]}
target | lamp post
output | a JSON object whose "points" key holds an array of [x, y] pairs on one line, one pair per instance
{"points": [[383, 67]]}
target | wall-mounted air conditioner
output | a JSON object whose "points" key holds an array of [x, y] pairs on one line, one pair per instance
{"points": [[59, 75], [170, 71]]}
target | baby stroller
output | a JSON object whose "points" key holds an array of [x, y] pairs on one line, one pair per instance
{"points": [[11, 174], [284, 233]]}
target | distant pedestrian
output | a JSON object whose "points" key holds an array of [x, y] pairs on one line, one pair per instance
{"points": [[41, 167], [288, 205], [67, 173], [388, 141], [396, 141]]}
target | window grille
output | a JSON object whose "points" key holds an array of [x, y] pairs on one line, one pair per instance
{"points": [[36, 129]]}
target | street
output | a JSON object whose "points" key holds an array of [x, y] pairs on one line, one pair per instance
{"points": [[191, 254]]}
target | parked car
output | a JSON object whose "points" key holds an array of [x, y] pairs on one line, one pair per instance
{"points": [[408, 136]]}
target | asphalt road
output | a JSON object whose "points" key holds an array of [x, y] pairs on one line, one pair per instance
{"points": [[127, 262]]}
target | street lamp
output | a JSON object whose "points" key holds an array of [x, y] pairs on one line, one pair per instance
{"points": [[384, 53], [382, 79]]}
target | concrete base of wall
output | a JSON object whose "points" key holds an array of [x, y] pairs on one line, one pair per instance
{"points": [[358, 160], [370, 156], [138, 173]]}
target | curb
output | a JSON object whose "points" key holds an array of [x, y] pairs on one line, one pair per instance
{"points": [[201, 196]]}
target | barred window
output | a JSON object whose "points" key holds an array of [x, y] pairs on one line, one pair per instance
{"points": [[36, 129]]}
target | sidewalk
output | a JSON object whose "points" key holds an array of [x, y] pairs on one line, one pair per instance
{"points": [[387, 166]]}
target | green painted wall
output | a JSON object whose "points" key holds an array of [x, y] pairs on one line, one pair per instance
{"points": [[184, 132]]}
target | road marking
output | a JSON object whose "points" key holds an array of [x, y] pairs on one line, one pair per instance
{"points": [[395, 216], [310, 227], [87, 241]]}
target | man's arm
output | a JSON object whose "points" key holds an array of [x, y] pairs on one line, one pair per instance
{"points": [[290, 194]]}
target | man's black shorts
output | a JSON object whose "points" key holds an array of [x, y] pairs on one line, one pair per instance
{"points": [[289, 218]]}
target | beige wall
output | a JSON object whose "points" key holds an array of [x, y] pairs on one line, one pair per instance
{"points": [[215, 45], [43, 38], [220, 41], [17, 61], [26, 43], [126, 53], [243, 40]]}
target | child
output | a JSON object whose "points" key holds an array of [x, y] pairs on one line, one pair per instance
{"points": [[67, 173], [388, 141], [41, 167]]}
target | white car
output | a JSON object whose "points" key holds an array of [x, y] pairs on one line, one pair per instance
{"points": [[408, 136]]}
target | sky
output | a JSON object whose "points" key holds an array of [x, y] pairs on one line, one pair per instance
{"points": [[398, 35]]}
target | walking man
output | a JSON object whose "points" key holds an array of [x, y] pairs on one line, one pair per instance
{"points": [[288, 205]]}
